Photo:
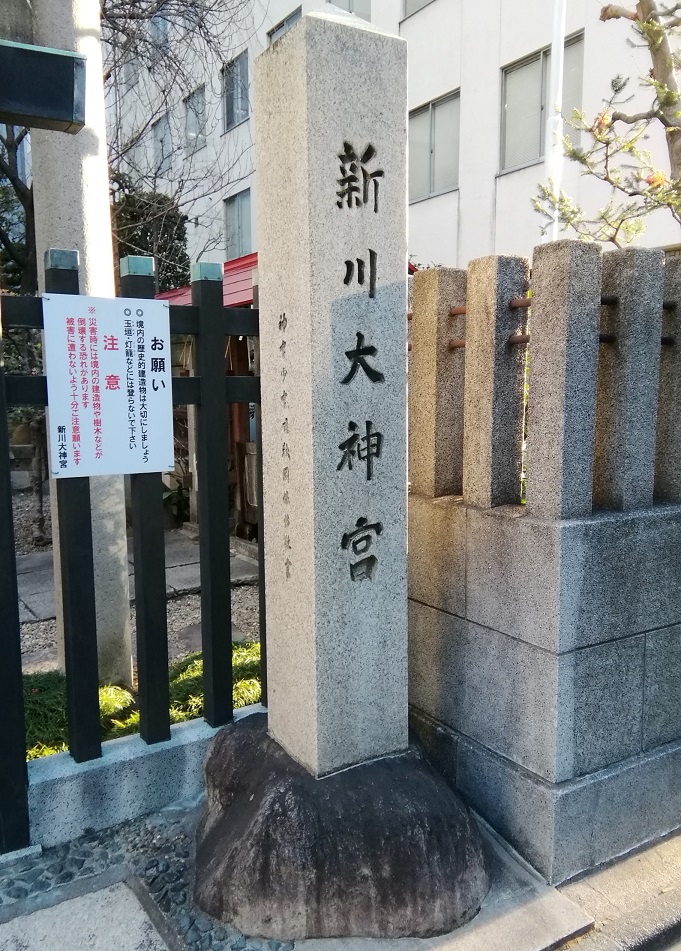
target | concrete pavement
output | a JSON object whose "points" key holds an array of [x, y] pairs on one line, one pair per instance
{"points": [[111, 919], [35, 575]]}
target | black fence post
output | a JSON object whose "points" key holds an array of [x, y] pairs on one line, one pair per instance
{"points": [[213, 461], [146, 489], [14, 828], [77, 571]]}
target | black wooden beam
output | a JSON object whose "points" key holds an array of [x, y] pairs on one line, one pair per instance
{"points": [[41, 88], [78, 587], [14, 829], [19, 312], [213, 442], [146, 491]]}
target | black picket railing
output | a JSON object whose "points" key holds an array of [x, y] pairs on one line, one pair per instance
{"points": [[212, 391]]}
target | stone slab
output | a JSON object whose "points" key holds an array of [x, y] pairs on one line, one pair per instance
{"points": [[662, 705], [567, 828], [437, 552], [600, 705], [561, 585], [520, 912], [480, 682], [41, 606], [26, 616], [108, 920], [34, 561], [131, 779], [30, 852], [513, 581], [570, 714]]}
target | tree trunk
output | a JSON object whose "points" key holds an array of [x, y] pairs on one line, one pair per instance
{"points": [[29, 273], [665, 74]]}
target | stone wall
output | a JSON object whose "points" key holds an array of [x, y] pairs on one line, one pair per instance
{"points": [[545, 637]]}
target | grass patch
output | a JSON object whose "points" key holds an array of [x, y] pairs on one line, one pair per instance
{"points": [[45, 700]]}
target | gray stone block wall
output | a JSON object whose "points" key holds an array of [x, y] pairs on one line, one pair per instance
{"points": [[545, 640]]}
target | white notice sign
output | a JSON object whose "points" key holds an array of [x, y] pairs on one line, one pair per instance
{"points": [[108, 385]]}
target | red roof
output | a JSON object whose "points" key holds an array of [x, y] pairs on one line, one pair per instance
{"points": [[237, 283]]}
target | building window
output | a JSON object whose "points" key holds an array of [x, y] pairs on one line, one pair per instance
{"points": [[235, 95], [238, 225], [525, 94], [284, 26], [130, 67], [361, 8], [434, 148], [411, 6], [159, 33], [195, 120], [162, 145]]}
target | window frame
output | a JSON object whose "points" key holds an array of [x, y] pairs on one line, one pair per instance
{"points": [[405, 15], [225, 127], [351, 4], [428, 106], [165, 165], [191, 146], [159, 39], [237, 202], [542, 56], [288, 22]]}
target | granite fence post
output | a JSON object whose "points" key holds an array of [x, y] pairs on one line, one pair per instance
{"points": [[668, 446], [333, 291], [493, 388], [436, 379], [71, 201], [565, 322], [628, 377]]}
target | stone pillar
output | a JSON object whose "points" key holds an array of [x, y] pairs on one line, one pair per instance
{"points": [[628, 375], [668, 443], [333, 278], [436, 378], [565, 321], [71, 195], [15, 21], [493, 388]]}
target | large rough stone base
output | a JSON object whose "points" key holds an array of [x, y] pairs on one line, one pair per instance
{"points": [[386, 849]]}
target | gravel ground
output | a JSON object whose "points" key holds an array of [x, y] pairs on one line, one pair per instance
{"points": [[158, 853], [39, 639], [24, 507]]}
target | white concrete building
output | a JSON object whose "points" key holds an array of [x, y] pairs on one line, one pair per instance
{"points": [[478, 89]]}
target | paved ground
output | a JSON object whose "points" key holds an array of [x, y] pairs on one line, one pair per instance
{"points": [[140, 875], [36, 575], [635, 901], [155, 856], [111, 919]]}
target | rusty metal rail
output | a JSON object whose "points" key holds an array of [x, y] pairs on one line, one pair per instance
{"points": [[519, 303]]}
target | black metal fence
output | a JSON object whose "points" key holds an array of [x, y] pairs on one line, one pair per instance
{"points": [[212, 391]]}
